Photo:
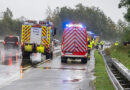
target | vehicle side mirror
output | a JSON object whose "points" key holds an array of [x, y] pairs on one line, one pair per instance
{"points": [[54, 32]]}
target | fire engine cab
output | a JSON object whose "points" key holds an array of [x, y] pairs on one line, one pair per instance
{"points": [[74, 43]]}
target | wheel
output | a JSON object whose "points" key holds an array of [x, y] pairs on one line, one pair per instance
{"points": [[63, 59], [49, 56], [84, 60]]}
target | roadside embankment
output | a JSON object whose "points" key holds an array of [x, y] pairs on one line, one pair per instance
{"points": [[121, 53], [102, 81]]}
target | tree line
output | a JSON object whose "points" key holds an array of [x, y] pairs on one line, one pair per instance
{"points": [[92, 17], [8, 25]]}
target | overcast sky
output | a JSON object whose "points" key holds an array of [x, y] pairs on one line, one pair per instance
{"points": [[35, 9]]}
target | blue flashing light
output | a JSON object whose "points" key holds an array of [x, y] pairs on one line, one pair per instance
{"points": [[74, 25]]}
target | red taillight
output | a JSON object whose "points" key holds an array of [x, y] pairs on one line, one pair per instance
{"points": [[17, 43], [22, 44], [4, 42]]}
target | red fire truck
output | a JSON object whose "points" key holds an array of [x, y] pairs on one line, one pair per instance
{"points": [[74, 43]]}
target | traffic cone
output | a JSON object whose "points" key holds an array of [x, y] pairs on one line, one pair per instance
{"points": [[10, 60], [3, 58], [21, 72], [16, 58]]}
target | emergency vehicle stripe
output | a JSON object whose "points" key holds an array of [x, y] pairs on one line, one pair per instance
{"points": [[43, 33], [43, 42], [70, 48], [44, 28], [69, 41], [28, 38], [69, 44], [80, 40], [80, 47], [22, 33], [68, 31], [69, 36], [49, 29], [81, 35], [26, 33]]}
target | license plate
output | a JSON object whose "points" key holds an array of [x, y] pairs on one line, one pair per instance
{"points": [[68, 53]]}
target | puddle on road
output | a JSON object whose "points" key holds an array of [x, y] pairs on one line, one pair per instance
{"points": [[73, 80]]}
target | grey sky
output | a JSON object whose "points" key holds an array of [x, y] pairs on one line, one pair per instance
{"points": [[35, 9]]}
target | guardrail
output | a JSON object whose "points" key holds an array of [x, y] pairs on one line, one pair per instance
{"points": [[113, 79], [125, 71]]}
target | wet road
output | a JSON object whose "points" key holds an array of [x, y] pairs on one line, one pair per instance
{"points": [[53, 75]]}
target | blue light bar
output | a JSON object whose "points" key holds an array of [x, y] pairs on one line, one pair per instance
{"points": [[74, 25]]}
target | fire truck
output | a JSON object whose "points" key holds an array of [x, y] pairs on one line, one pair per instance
{"points": [[36, 38], [74, 43]]}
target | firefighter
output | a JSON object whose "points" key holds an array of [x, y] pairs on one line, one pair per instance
{"points": [[93, 42], [89, 45], [101, 43], [116, 43], [97, 45]]}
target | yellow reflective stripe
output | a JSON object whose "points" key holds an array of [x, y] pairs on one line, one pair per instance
{"points": [[22, 33], [27, 33], [26, 29]]}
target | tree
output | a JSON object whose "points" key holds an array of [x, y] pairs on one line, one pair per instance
{"points": [[126, 4], [8, 25]]}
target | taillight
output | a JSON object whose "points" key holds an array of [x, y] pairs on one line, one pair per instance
{"points": [[4, 42], [17, 43], [22, 44]]}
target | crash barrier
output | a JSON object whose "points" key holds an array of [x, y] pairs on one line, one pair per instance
{"points": [[113, 79], [117, 72], [125, 71]]}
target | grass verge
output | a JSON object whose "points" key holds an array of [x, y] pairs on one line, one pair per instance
{"points": [[102, 81], [122, 54]]}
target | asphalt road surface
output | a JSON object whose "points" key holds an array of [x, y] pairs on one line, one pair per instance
{"points": [[54, 75]]}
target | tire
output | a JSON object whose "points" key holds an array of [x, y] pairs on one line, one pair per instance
{"points": [[63, 59], [49, 56], [84, 60]]}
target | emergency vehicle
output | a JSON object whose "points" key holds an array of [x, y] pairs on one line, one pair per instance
{"points": [[74, 43], [36, 38]]}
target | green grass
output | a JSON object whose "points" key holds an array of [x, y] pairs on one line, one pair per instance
{"points": [[122, 54], [102, 81]]}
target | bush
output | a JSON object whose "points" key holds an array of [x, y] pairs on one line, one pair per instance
{"points": [[107, 51]]}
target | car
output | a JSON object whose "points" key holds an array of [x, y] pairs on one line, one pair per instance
{"points": [[11, 42]]}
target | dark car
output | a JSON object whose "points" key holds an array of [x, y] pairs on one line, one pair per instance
{"points": [[11, 42]]}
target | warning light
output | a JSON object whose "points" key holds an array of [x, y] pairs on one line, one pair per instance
{"points": [[74, 25]]}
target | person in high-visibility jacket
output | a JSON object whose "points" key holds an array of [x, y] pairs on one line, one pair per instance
{"points": [[116, 43], [101, 43], [89, 46], [97, 45], [93, 43]]}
